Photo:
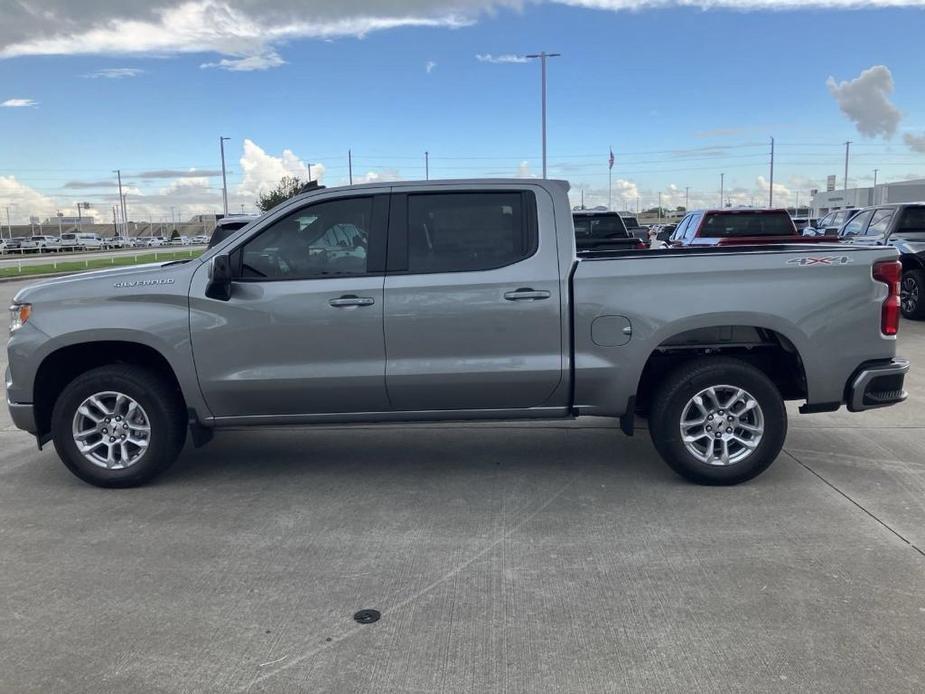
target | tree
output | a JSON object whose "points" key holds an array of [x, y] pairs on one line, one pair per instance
{"points": [[289, 186], [174, 234]]}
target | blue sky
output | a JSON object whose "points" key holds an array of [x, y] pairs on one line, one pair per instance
{"points": [[681, 94]]}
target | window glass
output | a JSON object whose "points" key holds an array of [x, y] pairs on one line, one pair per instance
{"points": [[880, 222], [328, 239], [678, 233], [582, 227], [727, 224], [858, 224], [608, 227], [692, 226], [452, 232], [913, 220]]}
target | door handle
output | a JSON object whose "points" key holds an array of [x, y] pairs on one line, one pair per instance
{"points": [[352, 300], [527, 294]]}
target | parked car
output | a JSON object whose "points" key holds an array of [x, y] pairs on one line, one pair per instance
{"points": [[3, 244], [27, 245], [633, 226], [155, 241], [137, 242], [735, 226], [902, 226], [46, 244], [14, 245], [802, 223], [226, 226], [596, 230], [831, 223], [200, 240], [116, 242], [89, 241], [453, 300], [180, 241], [69, 242]]}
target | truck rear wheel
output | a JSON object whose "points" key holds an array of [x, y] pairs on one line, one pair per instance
{"points": [[118, 426], [718, 421], [912, 289]]}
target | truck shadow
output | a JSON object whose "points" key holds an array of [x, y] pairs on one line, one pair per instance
{"points": [[408, 452]]}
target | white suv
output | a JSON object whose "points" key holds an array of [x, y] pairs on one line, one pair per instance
{"points": [[89, 242], [46, 244]]}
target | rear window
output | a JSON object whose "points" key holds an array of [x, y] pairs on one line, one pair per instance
{"points": [[603, 227], [729, 224], [912, 221]]}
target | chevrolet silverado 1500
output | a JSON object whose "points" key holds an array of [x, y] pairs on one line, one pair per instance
{"points": [[452, 300]]}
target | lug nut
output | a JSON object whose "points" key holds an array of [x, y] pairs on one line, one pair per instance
{"points": [[105, 431], [729, 430], [722, 412], [112, 439], [710, 416], [729, 418], [709, 428], [719, 435]]}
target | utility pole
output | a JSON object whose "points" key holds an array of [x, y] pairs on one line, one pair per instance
{"points": [[9, 227], [771, 186], [221, 145], [309, 173], [118, 173], [350, 165], [543, 56], [687, 190], [60, 215], [875, 177], [115, 225], [659, 205], [722, 187], [426, 166], [847, 148]]}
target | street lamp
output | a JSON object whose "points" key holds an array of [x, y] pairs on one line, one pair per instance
{"points": [[543, 56], [221, 144]]}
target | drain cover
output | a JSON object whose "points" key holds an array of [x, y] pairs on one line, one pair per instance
{"points": [[367, 616]]}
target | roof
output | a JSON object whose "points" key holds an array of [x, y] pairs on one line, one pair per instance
{"points": [[736, 210], [437, 184]]}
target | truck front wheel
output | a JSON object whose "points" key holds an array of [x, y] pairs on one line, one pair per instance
{"points": [[118, 426], [718, 421]]}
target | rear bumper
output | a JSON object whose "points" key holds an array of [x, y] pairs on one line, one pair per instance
{"points": [[877, 384]]}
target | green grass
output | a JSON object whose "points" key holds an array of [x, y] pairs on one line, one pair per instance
{"points": [[25, 270]]}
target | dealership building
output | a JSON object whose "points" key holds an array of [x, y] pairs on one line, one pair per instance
{"points": [[882, 193]]}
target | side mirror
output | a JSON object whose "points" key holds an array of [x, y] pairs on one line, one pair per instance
{"points": [[219, 286]]}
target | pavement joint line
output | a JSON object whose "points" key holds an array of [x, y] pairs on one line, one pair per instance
{"points": [[856, 503], [504, 535]]}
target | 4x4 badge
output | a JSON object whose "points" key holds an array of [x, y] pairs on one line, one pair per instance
{"points": [[821, 260]]}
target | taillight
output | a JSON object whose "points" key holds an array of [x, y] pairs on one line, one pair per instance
{"points": [[889, 272]]}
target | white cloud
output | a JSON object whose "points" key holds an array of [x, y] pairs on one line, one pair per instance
{"points": [[24, 201], [18, 103], [865, 100], [262, 61], [115, 73], [523, 170], [429, 66], [915, 142], [500, 59], [248, 33], [377, 176], [262, 171]]}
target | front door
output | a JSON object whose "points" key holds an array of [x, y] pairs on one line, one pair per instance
{"points": [[302, 331], [472, 302]]}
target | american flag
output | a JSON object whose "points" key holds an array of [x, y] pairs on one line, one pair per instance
{"points": [[611, 157]]}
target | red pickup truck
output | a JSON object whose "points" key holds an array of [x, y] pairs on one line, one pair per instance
{"points": [[737, 227]]}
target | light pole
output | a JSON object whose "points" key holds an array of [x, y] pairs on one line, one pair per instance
{"points": [[350, 165], [118, 173], [9, 227], [847, 148], [221, 144], [771, 184], [426, 166], [543, 56], [687, 197], [873, 192], [722, 186]]}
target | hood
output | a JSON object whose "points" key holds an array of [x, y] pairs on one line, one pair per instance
{"points": [[150, 274]]}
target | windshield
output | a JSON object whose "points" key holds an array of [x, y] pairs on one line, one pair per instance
{"points": [[728, 224]]}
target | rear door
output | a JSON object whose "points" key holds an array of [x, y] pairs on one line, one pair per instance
{"points": [[472, 301]]}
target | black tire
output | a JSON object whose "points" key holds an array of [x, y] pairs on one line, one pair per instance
{"points": [[161, 403], [913, 294], [689, 380]]}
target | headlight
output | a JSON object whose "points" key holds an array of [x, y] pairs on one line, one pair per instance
{"points": [[19, 314]]}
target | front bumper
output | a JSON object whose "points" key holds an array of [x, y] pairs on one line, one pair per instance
{"points": [[877, 384], [23, 415]]}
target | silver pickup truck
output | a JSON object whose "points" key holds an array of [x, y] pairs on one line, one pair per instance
{"points": [[453, 300]]}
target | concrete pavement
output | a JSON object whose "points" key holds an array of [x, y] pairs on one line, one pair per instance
{"points": [[504, 557]]}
